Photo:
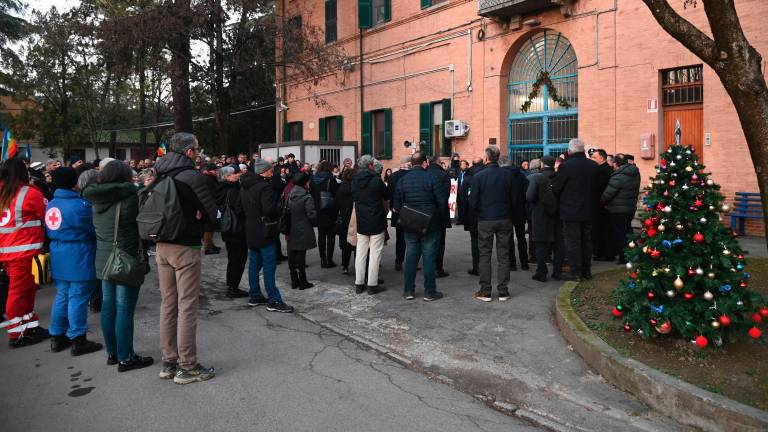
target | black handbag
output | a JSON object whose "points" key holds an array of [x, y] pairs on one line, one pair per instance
{"points": [[285, 217], [230, 223], [415, 221], [326, 197]]}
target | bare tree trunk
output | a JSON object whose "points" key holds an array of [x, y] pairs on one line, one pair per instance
{"points": [[180, 57], [737, 64], [142, 104], [222, 101]]}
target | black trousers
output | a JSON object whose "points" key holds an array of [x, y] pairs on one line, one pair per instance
{"points": [[297, 260], [440, 251], [326, 242], [621, 226], [399, 245], [522, 245], [237, 255], [346, 250], [279, 248], [475, 250], [577, 237], [603, 238]]}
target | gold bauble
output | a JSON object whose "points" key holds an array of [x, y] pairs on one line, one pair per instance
{"points": [[645, 249], [654, 273], [726, 252], [725, 208], [689, 169], [667, 270], [715, 324], [678, 284], [710, 182], [708, 296], [661, 227], [711, 208], [631, 245], [679, 227], [711, 275]]}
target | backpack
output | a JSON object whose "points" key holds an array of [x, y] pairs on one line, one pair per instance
{"points": [[161, 217], [549, 200]]}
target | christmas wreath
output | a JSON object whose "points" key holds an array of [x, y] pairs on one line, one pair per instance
{"points": [[544, 78]]}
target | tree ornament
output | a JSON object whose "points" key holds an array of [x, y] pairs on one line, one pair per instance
{"points": [[651, 295], [691, 272], [679, 227], [701, 341], [688, 296], [655, 273], [726, 252], [654, 253], [678, 284], [698, 203], [710, 182], [664, 328], [685, 187], [667, 270], [616, 311], [694, 177], [755, 333], [678, 157], [764, 312], [668, 209], [672, 183], [661, 228], [688, 169], [715, 324], [651, 232], [711, 208], [725, 208], [756, 317], [666, 194], [708, 296], [645, 249], [735, 233], [648, 223], [633, 275], [698, 238], [703, 220], [631, 245], [725, 320], [653, 322], [699, 271], [627, 328], [629, 265], [670, 293], [711, 275]]}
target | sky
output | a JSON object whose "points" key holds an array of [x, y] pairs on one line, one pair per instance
{"points": [[44, 5]]}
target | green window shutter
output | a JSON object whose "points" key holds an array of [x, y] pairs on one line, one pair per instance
{"points": [[286, 131], [387, 10], [330, 21], [387, 133], [300, 135], [366, 133], [364, 14], [425, 127], [339, 128], [323, 131], [447, 142], [426, 3]]}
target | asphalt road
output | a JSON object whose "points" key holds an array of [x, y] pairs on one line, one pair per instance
{"points": [[275, 372]]}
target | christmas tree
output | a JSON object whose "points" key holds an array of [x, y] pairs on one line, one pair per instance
{"points": [[686, 274]]}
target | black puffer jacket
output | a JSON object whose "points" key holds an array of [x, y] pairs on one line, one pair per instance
{"points": [[623, 189], [194, 196], [369, 193], [258, 199], [421, 190], [324, 181]]}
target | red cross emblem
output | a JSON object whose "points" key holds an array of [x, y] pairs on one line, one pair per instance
{"points": [[5, 217], [53, 218]]}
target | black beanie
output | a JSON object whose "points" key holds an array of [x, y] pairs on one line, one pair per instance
{"points": [[64, 178]]}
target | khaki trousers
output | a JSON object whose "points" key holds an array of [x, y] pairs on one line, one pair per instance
{"points": [[178, 269]]}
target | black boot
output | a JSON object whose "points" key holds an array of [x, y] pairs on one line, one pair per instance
{"points": [[295, 279], [303, 282], [59, 343], [81, 345], [236, 293], [375, 289], [359, 289]]}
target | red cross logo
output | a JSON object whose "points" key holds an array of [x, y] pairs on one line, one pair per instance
{"points": [[5, 217], [53, 218]]}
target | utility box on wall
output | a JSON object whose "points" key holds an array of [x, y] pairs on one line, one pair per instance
{"points": [[648, 145]]}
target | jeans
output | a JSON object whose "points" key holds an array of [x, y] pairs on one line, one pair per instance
{"points": [[399, 245], [578, 246], [265, 258], [486, 231], [69, 312], [621, 224], [415, 247], [237, 255], [365, 244], [522, 246], [117, 311], [326, 242]]}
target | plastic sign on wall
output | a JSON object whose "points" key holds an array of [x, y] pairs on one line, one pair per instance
{"points": [[652, 105]]}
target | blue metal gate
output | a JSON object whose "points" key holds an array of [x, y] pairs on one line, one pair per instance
{"points": [[542, 125]]}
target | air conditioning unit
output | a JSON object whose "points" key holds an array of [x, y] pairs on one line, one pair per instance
{"points": [[456, 128]]}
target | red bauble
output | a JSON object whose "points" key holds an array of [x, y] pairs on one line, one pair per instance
{"points": [[701, 341], [698, 238], [672, 183], [756, 317], [741, 257], [651, 295], [764, 311], [743, 284], [659, 206], [755, 333], [653, 322], [633, 275], [688, 296], [627, 328], [698, 203], [663, 161], [664, 328], [735, 234], [651, 232], [648, 222], [616, 312], [691, 272], [654, 253], [725, 320]]}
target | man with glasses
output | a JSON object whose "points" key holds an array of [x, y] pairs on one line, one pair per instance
{"points": [[179, 262]]}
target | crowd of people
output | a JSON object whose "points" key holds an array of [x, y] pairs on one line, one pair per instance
{"points": [[93, 218]]}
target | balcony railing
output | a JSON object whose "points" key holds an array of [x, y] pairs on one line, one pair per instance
{"points": [[510, 8]]}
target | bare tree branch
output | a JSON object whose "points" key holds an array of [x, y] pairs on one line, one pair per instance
{"points": [[682, 30]]}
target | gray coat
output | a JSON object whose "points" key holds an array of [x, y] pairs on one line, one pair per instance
{"points": [[303, 215], [620, 196], [545, 228]]}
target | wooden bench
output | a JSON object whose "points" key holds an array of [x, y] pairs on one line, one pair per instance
{"points": [[746, 205]]}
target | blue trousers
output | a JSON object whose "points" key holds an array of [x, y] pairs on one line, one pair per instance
{"points": [[117, 309], [266, 259], [69, 313], [416, 246]]}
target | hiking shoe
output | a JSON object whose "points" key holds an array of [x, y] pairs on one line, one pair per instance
{"points": [[258, 301], [437, 295], [236, 293], [81, 346], [135, 362], [60, 343], [503, 295], [279, 307], [197, 373], [359, 289], [168, 371], [409, 295], [483, 296]]}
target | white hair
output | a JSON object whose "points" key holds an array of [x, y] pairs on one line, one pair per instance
{"points": [[576, 146]]}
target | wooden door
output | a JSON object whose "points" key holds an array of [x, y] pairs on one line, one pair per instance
{"points": [[691, 119]]}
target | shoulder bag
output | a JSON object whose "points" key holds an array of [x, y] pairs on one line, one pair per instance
{"points": [[284, 224], [122, 268], [230, 223], [326, 197], [415, 221]]}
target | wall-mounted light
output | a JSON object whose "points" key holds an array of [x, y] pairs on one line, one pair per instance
{"points": [[533, 22]]}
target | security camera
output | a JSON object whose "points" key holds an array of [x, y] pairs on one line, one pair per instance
{"points": [[283, 106], [406, 144]]}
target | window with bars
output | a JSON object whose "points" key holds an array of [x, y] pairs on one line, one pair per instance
{"points": [[682, 86], [332, 155]]}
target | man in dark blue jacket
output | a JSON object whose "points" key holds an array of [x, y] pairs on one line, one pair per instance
{"points": [[420, 190], [493, 199], [444, 216]]}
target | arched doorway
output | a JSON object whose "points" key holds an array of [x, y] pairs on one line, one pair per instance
{"points": [[542, 97]]}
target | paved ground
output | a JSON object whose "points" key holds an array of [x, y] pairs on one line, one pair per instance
{"points": [[276, 372]]}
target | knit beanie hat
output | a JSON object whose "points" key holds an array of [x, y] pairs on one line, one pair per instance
{"points": [[64, 178]]}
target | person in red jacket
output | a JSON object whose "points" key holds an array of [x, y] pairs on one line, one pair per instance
{"points": [[22, 208]]}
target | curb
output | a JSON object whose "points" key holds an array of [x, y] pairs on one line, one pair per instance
{"points": [[670, 396]]}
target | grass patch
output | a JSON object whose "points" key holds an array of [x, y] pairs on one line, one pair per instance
{"points": [[738, 371]]}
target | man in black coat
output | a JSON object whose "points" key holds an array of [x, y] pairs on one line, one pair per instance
{"points": [[467, 216], [394, 181], [444, 216], [519, 216], [574, 186], [601, 235]]}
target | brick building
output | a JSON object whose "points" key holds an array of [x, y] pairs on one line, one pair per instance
{"points": [[606, 72]]}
